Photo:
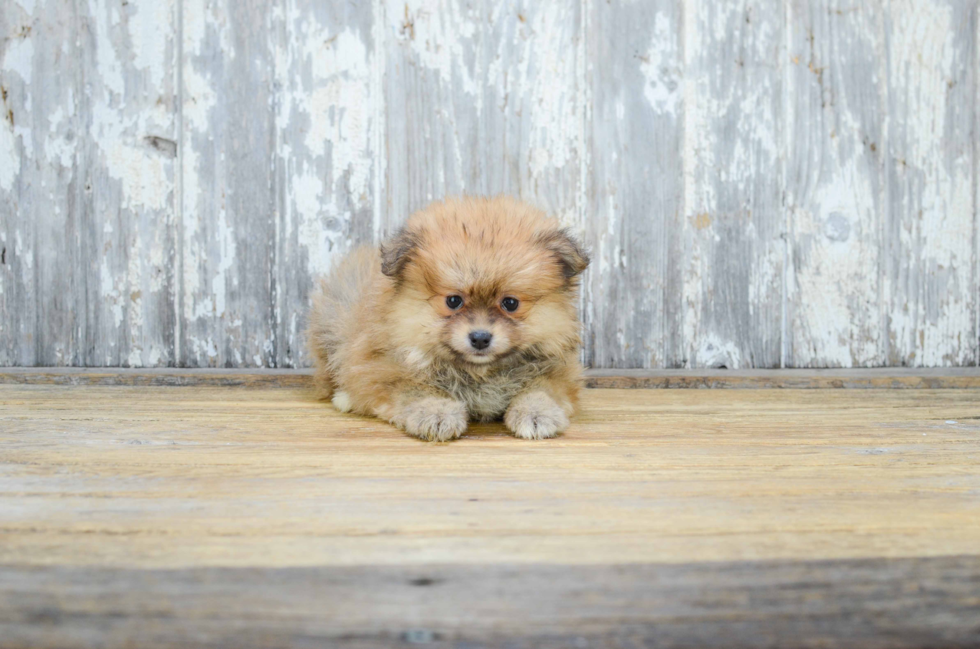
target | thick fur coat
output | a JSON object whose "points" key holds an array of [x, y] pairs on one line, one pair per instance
{"points": [[468, 313]]}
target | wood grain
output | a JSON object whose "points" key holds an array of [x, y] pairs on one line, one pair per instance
{"points": [[533, 103], [763, 184], [201, 476], [739, 518], [329, 156], [633, 305], [732, 222], [835, 184], [931, 229], [878, 604], [433, 103], [40, 183], [228, 291], [89, 95]]}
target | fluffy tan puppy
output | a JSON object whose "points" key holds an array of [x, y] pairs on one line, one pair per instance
{"points": [[468, 313]]}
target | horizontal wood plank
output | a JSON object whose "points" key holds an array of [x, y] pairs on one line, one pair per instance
{"points": [[198, 476], [227, 517], [899, 603]]}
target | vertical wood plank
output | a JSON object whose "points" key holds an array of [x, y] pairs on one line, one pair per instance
{"points": [[18, 300], [228, 294], [328, 161], [532, 103], [835, 80], [434, 100], [637, 181], [125, 266], [733, 222], [39, 135], [930, 280]]}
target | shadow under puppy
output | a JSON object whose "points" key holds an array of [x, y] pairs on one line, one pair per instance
{"points": [[468, 313]]}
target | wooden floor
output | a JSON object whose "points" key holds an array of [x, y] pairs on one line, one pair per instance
{"points": [[248, 517]]}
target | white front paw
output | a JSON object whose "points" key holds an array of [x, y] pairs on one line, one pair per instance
{"points": [[341, 401], [535, 415], [433, 418]]}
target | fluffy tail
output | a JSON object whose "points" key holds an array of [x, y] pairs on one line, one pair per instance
{"points": [[331, 320]]}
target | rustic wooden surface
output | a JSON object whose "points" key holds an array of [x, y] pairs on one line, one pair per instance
{"points": [[885, 377], [762, 183], [859, 603], [232, 517]]}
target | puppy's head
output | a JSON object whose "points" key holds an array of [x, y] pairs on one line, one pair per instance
{"points": [[477, 280]]}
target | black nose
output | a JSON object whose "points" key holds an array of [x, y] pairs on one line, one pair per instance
{"points": [[480, 339]]}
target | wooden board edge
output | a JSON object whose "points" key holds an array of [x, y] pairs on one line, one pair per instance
{"points": [[885, 603]]}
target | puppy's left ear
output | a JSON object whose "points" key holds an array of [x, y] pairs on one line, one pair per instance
{"points": [[397, 252], [570, 253]]}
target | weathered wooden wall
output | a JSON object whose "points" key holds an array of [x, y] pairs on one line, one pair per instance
{"points": [[763, 183]]}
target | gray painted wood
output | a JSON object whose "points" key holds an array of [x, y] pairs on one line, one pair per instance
{"points": [[37, 155], [88, 155], [733, 219], [532, 104], [228, 223], [930, 246], [40, 182], [433, 101], [835, 149], [762, 183], [636, 189], [123, 262], [329, 153]]}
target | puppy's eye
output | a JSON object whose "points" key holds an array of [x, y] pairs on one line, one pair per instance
{"points": [[510, 304], [454, 302]]}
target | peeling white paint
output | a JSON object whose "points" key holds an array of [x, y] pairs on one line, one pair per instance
{"points": [[438, 34], [201, 21], [842, 261], [536, 135], [19, 58], [110, 293], [345, 93], [663, 87], [553, 110], [338, 106], [109, 67], [27, 6], [226, 259], [150, 38], [9, 158], [934, 198], [715, 352]]}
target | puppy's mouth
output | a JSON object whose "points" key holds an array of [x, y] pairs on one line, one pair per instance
{"points": [[479, 358], [472, 356]]}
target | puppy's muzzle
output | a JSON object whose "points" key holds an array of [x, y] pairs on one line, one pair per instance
{"points": [[480, 339]]}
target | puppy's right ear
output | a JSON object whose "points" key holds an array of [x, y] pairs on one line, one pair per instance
{"points": [[397, 252]]}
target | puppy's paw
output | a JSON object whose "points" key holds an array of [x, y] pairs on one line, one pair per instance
{"points": [[535, 415], [341, 401], [433, 418]]}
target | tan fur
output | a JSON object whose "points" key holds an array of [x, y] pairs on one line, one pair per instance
{"points": [[386, 343]]}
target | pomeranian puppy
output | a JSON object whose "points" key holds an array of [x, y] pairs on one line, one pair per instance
{"points": [[467, 314]]}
